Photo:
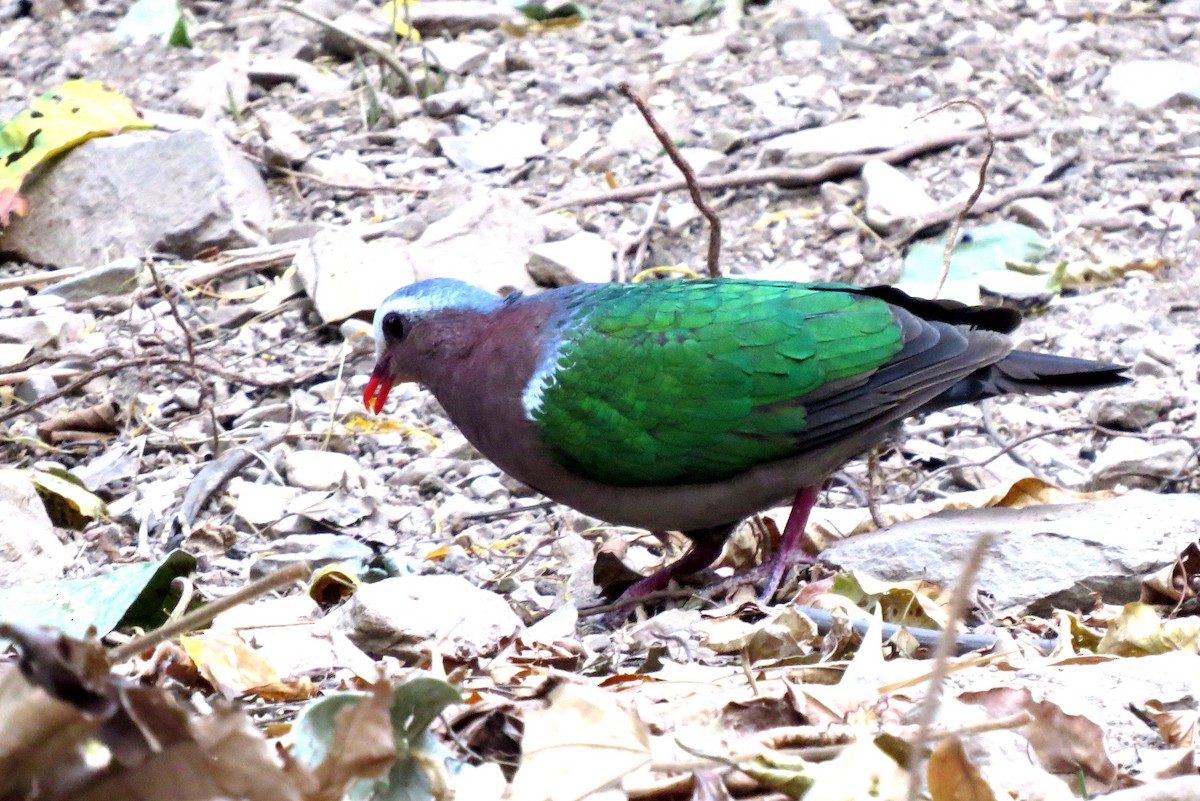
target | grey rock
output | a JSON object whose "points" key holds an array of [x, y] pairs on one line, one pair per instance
{"points": [[422, 468], [188, 397], [1134, 413], [408, 616], [504, 144], [455, 57], [341, 168], [320, 470], [496, 223], [1115, 321], [1150, 83], [451, 101], [452, 17], [488, 488], [368, 26], [582, 258], [1036, 212], [282, 132], [121, 196], [115, 278], [1045, 557], [892, 197], [1144, 365], [580, 93], [34, 331], [270, 72], [29, 549], [215, 89], [345, 275], [1126, 459]]}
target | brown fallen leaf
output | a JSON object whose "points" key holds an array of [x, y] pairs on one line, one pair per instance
{"points": [[952, 777], [90, 424]]}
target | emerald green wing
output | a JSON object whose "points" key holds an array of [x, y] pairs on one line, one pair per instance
{"points": [[695, 381]]}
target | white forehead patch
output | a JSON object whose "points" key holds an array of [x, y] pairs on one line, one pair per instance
{"points": [[430, 296]]}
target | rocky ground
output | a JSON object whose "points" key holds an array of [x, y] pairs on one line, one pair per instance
{"points": [[501, 164]]}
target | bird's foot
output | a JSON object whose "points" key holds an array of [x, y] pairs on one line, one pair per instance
{"points": [[702, 554]]}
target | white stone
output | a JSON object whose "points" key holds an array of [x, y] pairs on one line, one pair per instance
{"points": [[29, 549], [582, 258], [1150, 83], [320, 470]]}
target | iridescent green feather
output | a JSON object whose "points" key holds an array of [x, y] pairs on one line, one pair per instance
{"points": [[692, 381]]}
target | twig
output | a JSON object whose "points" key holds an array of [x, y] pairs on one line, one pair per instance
{"points": [[689, 177], [21, 376], [961, 217], [640, 242], [621, 603], [380, 50], [205, 614], [791, 177], [989, 428], [941, 659], [949, 212], [873, 488], [809, 119], [206, 396], [43, 277]]}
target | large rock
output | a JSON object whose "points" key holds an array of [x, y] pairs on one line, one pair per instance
{"points": [[345, 275], [486, 241], [29, 549], [407, 617], [1044, 557], [141, 191]]}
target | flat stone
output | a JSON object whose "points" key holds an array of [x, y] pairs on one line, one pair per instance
{"points": [[35, 331], [504, 144], [452, 17], [1044, 557], [29, 549], [486, 240], [320, 470], [455, 57], [1126, 459], [451, 101], [345, 275], [115, 278], [1133, 413], [892, 197], [582, 258], [1150, 83], [123, 196], [409, 616]]}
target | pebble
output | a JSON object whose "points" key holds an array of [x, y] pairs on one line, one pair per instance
{"points": [[487, 488]]}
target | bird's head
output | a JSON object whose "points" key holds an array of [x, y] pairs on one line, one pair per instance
{"points": [[407, 334]]}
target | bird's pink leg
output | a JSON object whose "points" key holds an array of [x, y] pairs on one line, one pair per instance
{"points": [[702, 554], [790, 549]]}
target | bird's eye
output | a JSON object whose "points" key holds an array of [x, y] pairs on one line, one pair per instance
{"points": [[393, 326]]}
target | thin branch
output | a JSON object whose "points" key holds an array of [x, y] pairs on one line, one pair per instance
{"points": [[379, 49], [206, 613], [961, 217], [689, 178], [791, 177], [941, 659], [206, 396], [951, 211]]}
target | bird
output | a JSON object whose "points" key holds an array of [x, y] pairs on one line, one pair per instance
{"points": [[692, 404]]}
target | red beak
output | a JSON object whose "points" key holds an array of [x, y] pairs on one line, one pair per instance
{"points": [[376, 393]]}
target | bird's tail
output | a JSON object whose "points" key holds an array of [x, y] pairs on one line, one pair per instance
{"points": [[1023, 372]]}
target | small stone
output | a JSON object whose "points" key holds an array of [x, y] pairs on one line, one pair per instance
{"points": [[320, 470], [421, 468], [840, 222], [505, 143], [582, 258], [1114, 321], [1150, 83], [558, 225], [115, 278], [409, 615], [35, 331], [452, 17], [1125, 460], [680, 214], [487, 488], [188, 397], [580, 93], [1132, 413], [260, 505], [455, 57], [1143, 365], [342, 168], [29, 549], [1036, 212], [892, 197], [452, 101]]}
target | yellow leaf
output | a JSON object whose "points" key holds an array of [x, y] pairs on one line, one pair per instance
{"points": [[57, 121], [69, 503], [394, 13]]}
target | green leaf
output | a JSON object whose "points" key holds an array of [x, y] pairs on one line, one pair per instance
{"points": [[155, 19], [541, 12], [982, 255], [415, 705], [129, 595]]}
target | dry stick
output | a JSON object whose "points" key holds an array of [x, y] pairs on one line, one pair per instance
{"points": [[190, 344], [941, 658], [44, 277], [205, 614], [689, 177], [961, 217], [380, 50], [791, 177], [992, 202]]}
